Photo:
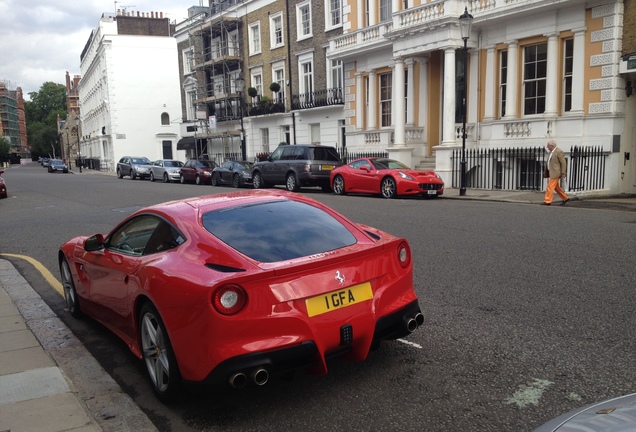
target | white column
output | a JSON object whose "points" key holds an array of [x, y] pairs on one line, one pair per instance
{"points": [[578, 68], [552, 76], [373, 102], [361, 4], [448, 121], [359, 101], [410, 102], [489, 90], [373, 13], [511, 81], [398, 108]]}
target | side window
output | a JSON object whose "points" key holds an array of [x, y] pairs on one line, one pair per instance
{"points": [[277, 154], [288, 153], [164, 237], [132, 237]]}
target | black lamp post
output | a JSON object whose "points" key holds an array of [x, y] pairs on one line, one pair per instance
{"points": [[240, 86], [465, 23]]}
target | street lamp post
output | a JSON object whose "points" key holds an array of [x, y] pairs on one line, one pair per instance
{"points": [[240, 86], [465, 23]]}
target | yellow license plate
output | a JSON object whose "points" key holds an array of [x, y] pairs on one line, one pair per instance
{"points": [[327, 167], [338, 299]]}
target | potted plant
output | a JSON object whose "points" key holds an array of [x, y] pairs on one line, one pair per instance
{"points": [[252, 92], [275, 87]]}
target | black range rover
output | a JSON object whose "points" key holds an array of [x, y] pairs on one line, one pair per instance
{"points": [[297, 166]]}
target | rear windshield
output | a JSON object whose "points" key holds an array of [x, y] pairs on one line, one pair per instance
{"points": [[324, 154], [278, 231]]}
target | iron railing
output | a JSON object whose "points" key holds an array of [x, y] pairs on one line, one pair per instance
{"points": [[522, 168], [318, 98], [346, 156]]}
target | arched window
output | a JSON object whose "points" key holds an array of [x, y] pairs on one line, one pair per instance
{"points": [[165, 119]]}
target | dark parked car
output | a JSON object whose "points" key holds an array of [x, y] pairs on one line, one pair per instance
{"points": [[296, 166], [235, 173], [198, 171], [166, 169], [56, 165], [134, 167], [3, 186]]}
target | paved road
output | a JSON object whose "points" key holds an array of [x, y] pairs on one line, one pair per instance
{"points": [[519, 327]]}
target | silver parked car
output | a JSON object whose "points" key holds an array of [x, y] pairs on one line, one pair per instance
{"points": [[613, 415], [166, 169], [135, 167]]}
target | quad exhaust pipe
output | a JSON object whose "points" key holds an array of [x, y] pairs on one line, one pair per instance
{"points": [[258, 376]]}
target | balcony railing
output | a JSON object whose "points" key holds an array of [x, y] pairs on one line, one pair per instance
{"points": [[319, 98]]}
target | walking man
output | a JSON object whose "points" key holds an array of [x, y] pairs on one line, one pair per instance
{"points": [[558, 168]]}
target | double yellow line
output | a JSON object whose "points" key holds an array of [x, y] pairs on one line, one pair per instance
{"points": [[52, 280]]}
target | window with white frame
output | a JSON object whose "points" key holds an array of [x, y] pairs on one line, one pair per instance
{"points": [[191, 108], [503, 81], [386, 91], [335, 79], [303, 18], [256, 79], [234, 48], [265, 140], [333, 14], [386, 10], [276, 30], [306, 71], [535, 67], [568, 65], [314, 133], [255, 38], [278, 74], [188, 60]]}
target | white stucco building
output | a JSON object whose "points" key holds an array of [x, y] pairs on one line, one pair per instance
{"points": [[536, 70], [129, 93]]}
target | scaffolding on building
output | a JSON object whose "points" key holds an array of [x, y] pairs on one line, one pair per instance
{"points": [[216, 57]]}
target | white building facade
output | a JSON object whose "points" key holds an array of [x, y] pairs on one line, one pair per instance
{"points": [[536, 70], [129, 93]]}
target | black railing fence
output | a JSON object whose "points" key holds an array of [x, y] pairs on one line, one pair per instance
{"points": [[586, 169], [346, 156], [522, 168]]}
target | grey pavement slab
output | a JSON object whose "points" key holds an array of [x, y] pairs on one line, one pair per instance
{"points": [[48, 380]]}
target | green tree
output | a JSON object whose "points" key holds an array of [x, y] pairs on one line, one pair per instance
{"points": [[41, 118], [5, 148]]}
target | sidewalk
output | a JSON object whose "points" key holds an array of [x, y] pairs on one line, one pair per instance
{"points": [[48, 380]]}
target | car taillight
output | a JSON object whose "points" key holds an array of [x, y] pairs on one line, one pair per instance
{"points": [[404, 254], [229, 299]]}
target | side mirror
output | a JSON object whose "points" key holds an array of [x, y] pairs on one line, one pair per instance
{"points": [[94, 243]]}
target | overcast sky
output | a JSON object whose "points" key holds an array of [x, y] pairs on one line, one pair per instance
{"points": [[42, 39]]}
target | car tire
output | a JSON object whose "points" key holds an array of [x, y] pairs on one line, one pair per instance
{"points": [[197, 180], [215, 179], [152, 177], [166, 179], [236, 180], [291, 183], [388, 188], [339, 185], [133, 175], [257, 181], [157, 353], [70, 294], [119, 174], [182, 179]]}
